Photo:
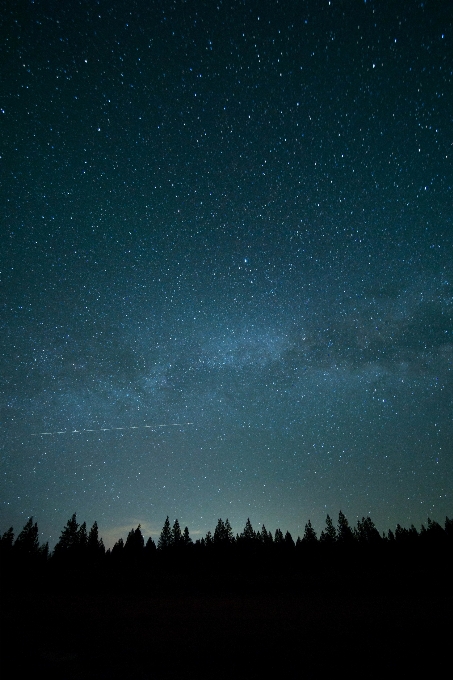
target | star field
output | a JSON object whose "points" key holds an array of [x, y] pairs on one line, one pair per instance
{"points": [[235, 216]]}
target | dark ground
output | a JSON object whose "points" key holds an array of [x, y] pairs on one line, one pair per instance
{"points": [[304, 628]]}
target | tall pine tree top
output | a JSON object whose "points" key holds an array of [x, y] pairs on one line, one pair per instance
{"points": [[166, 537]]}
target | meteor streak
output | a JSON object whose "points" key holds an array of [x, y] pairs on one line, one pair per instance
{"points": [[109, 429]]}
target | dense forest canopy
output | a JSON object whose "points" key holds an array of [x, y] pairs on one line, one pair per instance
{"points": [[78, 542]]}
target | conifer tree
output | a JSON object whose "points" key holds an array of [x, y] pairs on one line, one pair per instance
{"points": [[345, 534], [27, 542], [402, 536], [223, 533], [220, 533], [6, 541], [166, 538], [82, 537], [95, 545], [118, 549], [69, 539], [186, 540], [309, 537], [44, 552], [434, 530], [266, 536], [229, 531], [289, 542], [279, 539], [248, 535], [309, 533], [366, 532], [176, 534], [150, 547], [134, 542], [329, 534]]}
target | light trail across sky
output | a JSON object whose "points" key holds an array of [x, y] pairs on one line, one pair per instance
{"points": [[110, 429]]}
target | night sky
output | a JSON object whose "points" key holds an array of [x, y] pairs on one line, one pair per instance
{"points": [[230, 222]]}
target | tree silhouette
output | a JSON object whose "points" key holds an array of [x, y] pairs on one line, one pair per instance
{"points": [[186, 540], [248, 536], [223, 533], [329, 534], [135, 542], [279, 539], [434, 530], [150, 547], [176, 534], [80, 547], [95, 545], [166, 537], [266, 537], [118, 549], [219, 532], [289, 542], [345, 534], [309, 537], [44, 552], [69, 539], [366, 532], [27, 542], [390, 536], [401, 534], [82, 539], [7, 540]]}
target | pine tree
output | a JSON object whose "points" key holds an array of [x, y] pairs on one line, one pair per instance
{"points": [[118, 549], [413, 534], [186, 540], [82, 537], [220, 533], [27, 542], [366, 532], [229, 531], [166, 538], [176, 534], [279, 538], [309, 537], [134, 542], [289, 542], [6, 541], [248, 535], [345, 534], [95, 545], [266, 537], [69, 539], [402, 536], [150, 547], [329, 534], [149, 551], [435, 528], [44, 552]]}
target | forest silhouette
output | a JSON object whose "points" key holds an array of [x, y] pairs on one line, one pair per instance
{"points": [[83, 549], [227, 605]]}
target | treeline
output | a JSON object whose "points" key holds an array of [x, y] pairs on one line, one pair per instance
{"points": [[77, 545]]}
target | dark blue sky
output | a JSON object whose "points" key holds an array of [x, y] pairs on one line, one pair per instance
{"points": [[236, 215]]}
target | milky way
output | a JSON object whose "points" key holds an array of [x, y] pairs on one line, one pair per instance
{"points": [[235, 217]]}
